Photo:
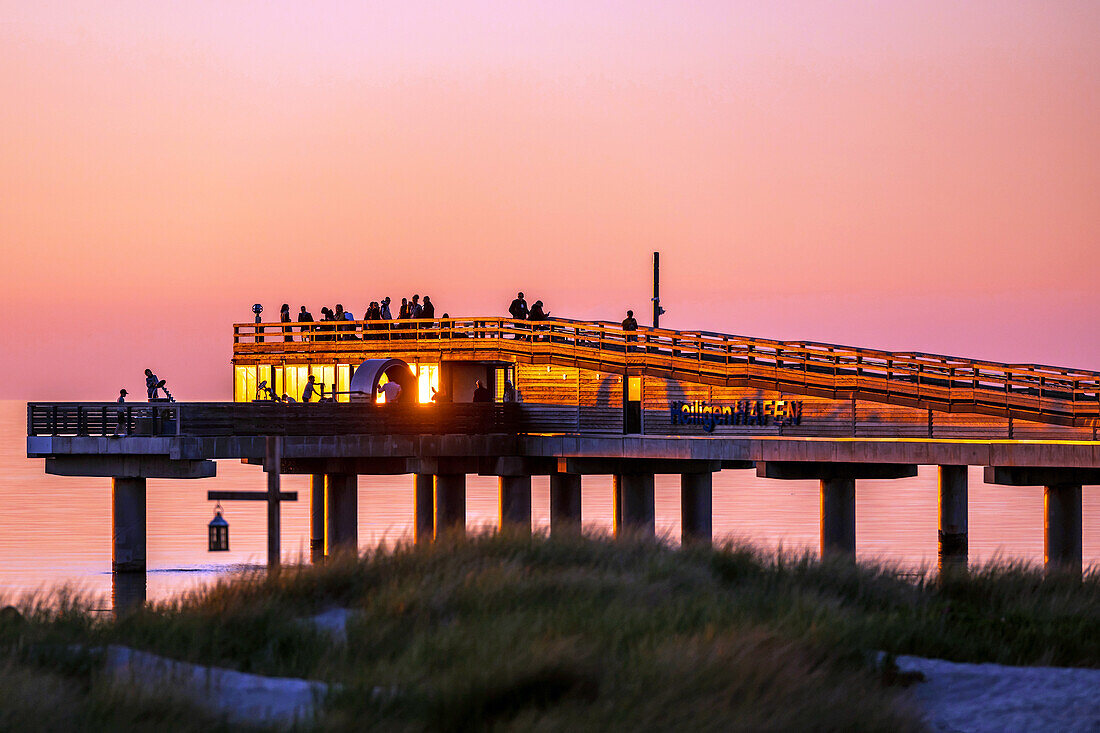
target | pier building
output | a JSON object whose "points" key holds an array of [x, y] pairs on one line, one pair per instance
{"points": [[595, 400]]}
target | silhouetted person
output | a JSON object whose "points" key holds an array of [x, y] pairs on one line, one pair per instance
{"points": [[428, 308], [404, 311], [630, 323], [120, 416], [339, 316], [310, 389], [445, 323], [304, 316], [415, 309], [385, 310], [288, 398], [284, 316], [518, 308], [392, 391], [481, 394], [441, 395], [537, 313], [152, 384], [509, 391]]}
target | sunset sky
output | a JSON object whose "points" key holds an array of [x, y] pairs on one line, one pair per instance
{"points": [[910, 175]]}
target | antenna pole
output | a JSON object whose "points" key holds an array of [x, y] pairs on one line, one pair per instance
{"points": [[657, 309]]}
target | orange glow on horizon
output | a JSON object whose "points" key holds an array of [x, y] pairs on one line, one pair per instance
{"points": [[910, 176]]}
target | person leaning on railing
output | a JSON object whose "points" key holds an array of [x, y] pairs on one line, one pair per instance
{"points": [[537, 314], [630, 323]]}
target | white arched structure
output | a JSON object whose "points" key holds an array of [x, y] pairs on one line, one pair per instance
{"points": [[364, 382]]}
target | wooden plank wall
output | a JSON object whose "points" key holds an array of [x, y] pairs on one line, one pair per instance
{"points": [[598, 395], [841, 418]]}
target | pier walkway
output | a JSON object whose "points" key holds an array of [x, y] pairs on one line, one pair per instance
{"points": [[1031, 392]]}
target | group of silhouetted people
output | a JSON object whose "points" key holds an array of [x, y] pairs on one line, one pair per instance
{"points": [[519, 310], [337, 324]]}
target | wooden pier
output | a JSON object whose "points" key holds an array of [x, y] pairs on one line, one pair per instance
{"points": [[598, 400]]}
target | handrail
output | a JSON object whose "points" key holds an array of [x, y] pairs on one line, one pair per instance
{"points": [[1040, 392]]}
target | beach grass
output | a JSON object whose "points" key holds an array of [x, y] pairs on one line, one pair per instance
{"points": [[524, 632]]}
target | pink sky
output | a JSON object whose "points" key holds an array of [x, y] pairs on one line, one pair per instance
{"points": [[920, 176]]}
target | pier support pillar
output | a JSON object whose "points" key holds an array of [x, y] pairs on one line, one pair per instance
{"points": [[953, 544], [1061, 507], [634, 504], [1062, 527], [696, 509], [341, 513], [128, 525], [450, 503], [128, 592], [838, 494], [424, 520], [565, 503], [316, 517], [838, 517], [515, 503], [273, 467]]}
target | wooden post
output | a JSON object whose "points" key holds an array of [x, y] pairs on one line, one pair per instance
{"points": [[273, 464], [565, 503]]}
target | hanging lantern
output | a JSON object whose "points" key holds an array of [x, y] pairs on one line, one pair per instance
{"points": [[219, 531]]}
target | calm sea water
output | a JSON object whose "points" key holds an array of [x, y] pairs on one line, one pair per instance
{"points": [[57, 530]]}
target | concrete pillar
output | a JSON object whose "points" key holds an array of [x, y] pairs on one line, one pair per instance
{"points": [[273, 467], [565, 503], [450, 503], [634, 504], [515, 503], [953, 517], [1062, 527], [128, 525], [316, 517], [696, 507], [838, 517], [423, 509], [128, 592], [341, 513]]}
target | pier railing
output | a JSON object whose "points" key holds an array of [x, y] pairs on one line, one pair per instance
{"points": [[216, 419], [952, 384]]}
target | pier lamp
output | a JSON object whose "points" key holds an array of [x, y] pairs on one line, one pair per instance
{"points": [[219, 531]]}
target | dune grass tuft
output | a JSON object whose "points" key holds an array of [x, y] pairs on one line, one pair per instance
{"points": [[525, 632]]}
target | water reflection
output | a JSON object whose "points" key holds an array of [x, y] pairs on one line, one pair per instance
{"points": [[57, 530]]}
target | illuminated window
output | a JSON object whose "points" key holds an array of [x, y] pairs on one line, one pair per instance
{"points": [[634, 389], [263, 374], [427, 378], [240, 383], [296, 380], [343, 381], [280, 381]]}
